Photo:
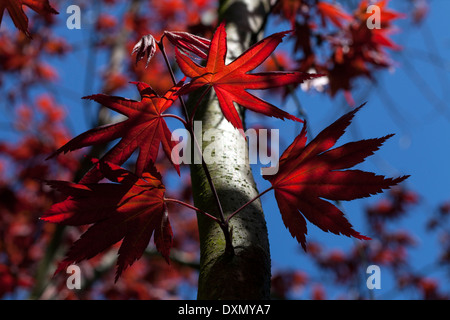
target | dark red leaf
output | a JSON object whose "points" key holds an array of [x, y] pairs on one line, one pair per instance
{"points": [[231, 81], [17, 14], [308, 174]]}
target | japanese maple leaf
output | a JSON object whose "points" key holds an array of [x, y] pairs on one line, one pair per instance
{"points": [[145, 129], [17, 14], [131, 209], [308, 174], [231, 81]]}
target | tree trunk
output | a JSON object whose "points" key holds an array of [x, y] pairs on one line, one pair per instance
{"points": [[246, 274]]}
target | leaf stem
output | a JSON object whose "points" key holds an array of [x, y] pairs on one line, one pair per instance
{"points": [[168, 115], [192, 207], [248, 203], [204, 93], [172, 75]]}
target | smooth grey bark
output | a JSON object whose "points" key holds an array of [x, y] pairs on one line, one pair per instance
{"points": [[246, 274]]}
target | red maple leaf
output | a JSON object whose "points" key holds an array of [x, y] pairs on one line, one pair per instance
{"points": [[145, 129], [231, 81], [289, 9], [310, 173], [132, 209], [17, 14]]}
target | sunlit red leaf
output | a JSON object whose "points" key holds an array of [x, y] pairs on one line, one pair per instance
{"points": [[231, 81], [189, 43], [308, 174]]}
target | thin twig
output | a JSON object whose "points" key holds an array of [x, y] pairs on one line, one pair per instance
{"points": [[187, 205], [204, 93], [222, 221], [248, 203], [168, 115]]}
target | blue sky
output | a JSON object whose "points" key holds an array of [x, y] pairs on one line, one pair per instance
{"points": [[409, 101]]}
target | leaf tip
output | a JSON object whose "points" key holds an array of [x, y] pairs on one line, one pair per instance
{"points": [[90, 97]]}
